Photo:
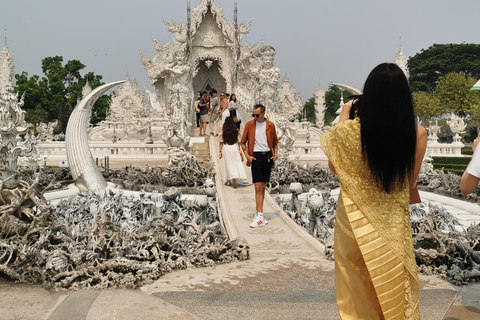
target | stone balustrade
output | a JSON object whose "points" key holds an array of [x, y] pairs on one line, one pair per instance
{"points": [[55, 150]]}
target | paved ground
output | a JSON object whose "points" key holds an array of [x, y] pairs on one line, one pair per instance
{"points": [[286, 277]]}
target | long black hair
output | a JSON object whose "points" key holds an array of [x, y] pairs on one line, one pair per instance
{"points": [[229, 131], [388, 128]]}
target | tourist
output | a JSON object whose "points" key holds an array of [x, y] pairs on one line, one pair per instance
{"points": [[223, 113], [229, 151], [232, 107], [197, 110], [213, 112], [471, 176], [261, 137], [377, 157], [203, 106]]}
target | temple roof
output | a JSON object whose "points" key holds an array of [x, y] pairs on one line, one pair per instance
{"points": [[201, 10]]}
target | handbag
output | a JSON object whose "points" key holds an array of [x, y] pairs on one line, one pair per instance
{"points": [[242, 157]]}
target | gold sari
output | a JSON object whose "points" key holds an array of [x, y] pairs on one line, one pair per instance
{"points": [[375, 269]]}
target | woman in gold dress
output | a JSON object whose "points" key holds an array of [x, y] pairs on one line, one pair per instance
{"points": [[377, 157]]}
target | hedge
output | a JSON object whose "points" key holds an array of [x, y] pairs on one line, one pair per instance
{"points": [[467, 150], [455, 165], [451, 160]]}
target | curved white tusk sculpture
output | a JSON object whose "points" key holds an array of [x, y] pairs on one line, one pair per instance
{"points": [[352, 90], [86, 174]]}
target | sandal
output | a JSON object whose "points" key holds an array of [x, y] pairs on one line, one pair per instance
{"points": [[227, 183]]}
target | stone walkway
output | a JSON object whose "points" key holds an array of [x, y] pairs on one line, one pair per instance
{"points": [[286, 277]]}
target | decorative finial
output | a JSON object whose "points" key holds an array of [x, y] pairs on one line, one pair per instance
{"points": [[5, 37]]}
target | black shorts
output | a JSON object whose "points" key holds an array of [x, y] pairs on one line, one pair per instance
{"points": [[262, 167]]}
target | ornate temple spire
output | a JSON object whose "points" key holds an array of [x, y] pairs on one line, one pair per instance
{"points": [[401, 61], [189, 23], [6, 67], [12, 121], [320, 106], [237, 34]]}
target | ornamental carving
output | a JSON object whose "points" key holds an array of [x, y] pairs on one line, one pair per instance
{"points": [[209, 48], [128, 103], [14, 138]]}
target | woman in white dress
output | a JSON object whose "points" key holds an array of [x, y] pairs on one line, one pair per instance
{"points": [[224, 112], [230, 153], [232, 107]]}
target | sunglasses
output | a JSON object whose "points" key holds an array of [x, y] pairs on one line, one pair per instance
{"points": [[255, 115]]}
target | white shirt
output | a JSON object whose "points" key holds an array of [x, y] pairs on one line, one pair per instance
{"points": [[474, 166], [225, 115], [261, 143]]}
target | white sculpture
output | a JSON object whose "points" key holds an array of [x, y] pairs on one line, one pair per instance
{"points": [[128, 103], [456, 124], [208, 51], [320, 107], [209, 188], [45, 130], [285, 139], [86, 174], [290, 101], [268, 77], [13, 126], [433, 130]]}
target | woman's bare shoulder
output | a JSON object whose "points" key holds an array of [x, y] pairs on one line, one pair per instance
{"points": [[421, 132]]}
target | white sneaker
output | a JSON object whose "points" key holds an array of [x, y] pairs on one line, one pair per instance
{"points": [[258, 222]]}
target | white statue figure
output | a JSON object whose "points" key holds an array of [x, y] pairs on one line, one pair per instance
{"points": [[45, 130], [177, 141], [285, 139], [179, 78], [209, 188], [178, 29], [433, 130], [456, 124], [268, 78]]}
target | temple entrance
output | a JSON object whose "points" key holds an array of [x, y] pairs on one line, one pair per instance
{"points": [[209, 76], [207, 86]]}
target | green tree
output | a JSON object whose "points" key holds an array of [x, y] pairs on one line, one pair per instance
{"points": [[309, 110], [54, 96], [332, 102], [453, 92], [426, 105], [440, 59]]}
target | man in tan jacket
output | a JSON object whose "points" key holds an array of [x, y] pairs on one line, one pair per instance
{"points": [[261, 139]]}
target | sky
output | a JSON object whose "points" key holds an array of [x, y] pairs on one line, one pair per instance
{"points": [[317, 42]]}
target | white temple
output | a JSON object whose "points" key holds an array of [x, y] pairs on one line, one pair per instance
{"points": [[207, 51]]}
